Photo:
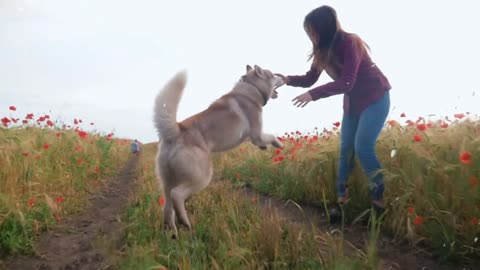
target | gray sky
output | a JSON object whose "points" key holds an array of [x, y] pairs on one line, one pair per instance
{"points": [[104, 61]]}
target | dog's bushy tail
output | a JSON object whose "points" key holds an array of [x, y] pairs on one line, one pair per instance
{"points": [[165, 109]]}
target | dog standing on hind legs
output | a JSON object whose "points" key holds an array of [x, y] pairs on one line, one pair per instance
{"points": [[183, 163]]}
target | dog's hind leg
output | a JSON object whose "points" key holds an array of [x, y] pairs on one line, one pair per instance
{"points": [[179, 195], [182, 192], [169, 215]]}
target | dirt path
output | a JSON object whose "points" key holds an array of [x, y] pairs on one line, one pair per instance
{"points": [[88, 240], [392, 256]]}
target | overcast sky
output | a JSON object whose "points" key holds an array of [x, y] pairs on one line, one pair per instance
{"points": [[104, 61]]}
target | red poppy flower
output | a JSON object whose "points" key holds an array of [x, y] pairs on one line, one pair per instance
{"points": [[6, 121], [75, 121], [473, 181], [97, 170], [420, 119], [475, 221], [25, 154], [59, 199], [254, 200], [79, 161], [58, 218], [46, 146], [50, 123], [58, 134], [24, 121], [41, 119], [278, 151], [411, 210], [459, 115], [29, 116], [417, 138], [418, 220], [402, 115], [31, 202], [421, 127], [337, 124], [444, 125], [161, 201], [82, 134], [392, 123], [12, 108], [466, 158]]}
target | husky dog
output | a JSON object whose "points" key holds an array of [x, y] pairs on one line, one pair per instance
{"points": [[183, 161]]}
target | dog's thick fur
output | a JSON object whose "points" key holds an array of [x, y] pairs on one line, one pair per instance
{"points": [[183, 163]]}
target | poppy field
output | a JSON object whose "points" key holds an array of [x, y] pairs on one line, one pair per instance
{"points": [[47, 169], [431, 168]]}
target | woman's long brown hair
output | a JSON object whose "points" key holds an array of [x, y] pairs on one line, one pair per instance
{"points": [[324, 22]]}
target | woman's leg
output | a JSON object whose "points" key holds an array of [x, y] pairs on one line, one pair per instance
{"points": [[347, 154], [370, 125]]}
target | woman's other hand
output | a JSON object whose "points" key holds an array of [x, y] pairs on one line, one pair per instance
{"points": [[302, 100]]}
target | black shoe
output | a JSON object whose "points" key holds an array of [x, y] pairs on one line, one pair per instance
{"points": [[335, 214], [378, 210]]}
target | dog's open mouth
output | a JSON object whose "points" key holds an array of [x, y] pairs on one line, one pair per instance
{"points": [[278, 83], [274, 94]]}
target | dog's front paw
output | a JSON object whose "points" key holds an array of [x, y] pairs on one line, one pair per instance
{"points": [[278, 144]]}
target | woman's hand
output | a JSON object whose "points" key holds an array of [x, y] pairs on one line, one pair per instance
{"points": [[302, 100]]}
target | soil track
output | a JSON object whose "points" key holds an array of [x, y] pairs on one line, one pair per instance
{"points": [[89, 240]]}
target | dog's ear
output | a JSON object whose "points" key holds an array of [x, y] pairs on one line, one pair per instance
{"points": [[259, 71], [249, 68]]}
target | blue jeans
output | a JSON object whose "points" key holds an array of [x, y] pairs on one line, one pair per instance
{"points": [[358, 138]]}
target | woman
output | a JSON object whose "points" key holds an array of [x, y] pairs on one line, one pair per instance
{"points": [[366, 101]]}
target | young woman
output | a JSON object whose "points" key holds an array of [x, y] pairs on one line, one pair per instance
{"points": [[366, 101]]}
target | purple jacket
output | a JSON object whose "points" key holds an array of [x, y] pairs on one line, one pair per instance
{"points": [[360, 80]]}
